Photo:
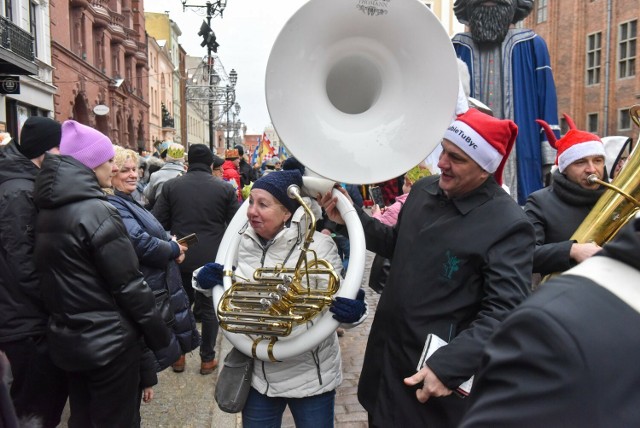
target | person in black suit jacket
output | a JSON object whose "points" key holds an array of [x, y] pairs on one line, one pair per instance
{"points": [[568, 355]]}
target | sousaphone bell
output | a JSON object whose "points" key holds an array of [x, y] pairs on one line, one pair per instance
{"points": [[359, 91]]}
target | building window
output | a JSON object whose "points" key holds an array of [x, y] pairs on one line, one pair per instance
{"points": [[564, 127], [33, 10], [541, 11], [115, 64], [624, 120], [8, 9], [627, 49], [594, 53], [592, 123]]}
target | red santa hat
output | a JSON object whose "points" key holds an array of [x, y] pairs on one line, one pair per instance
{"points": [[487, 140], [574, 145]]}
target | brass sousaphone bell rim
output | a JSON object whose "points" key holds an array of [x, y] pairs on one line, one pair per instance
{"points": [[411, 105]]}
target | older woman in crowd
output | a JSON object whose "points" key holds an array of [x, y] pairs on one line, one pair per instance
{"points": [[158, 254], [307, 382], [100, 306]]}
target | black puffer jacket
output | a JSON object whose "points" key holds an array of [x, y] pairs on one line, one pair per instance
{"points": [[21, 311], [98, 299]]}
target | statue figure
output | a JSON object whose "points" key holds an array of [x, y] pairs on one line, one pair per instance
{"points": [[511, 73]]}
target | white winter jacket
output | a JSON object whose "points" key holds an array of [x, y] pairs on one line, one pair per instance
{"points": [[315, 371]]}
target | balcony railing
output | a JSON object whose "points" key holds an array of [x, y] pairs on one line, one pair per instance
{"points": [[16, 39]]}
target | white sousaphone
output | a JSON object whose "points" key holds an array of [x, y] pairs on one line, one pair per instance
{"points": [[360, 91]]}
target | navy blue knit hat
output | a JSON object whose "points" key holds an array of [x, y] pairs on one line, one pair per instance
{"points": [[277, 184], [293, 163]]}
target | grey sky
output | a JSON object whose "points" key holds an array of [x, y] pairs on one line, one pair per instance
{"points": [[245, 33]]}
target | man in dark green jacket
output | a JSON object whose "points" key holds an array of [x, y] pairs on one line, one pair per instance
{"points": [[461, 261]]}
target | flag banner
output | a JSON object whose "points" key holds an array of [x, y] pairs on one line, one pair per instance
{"points": [[254, 156], [266, 150], [282, 153]]}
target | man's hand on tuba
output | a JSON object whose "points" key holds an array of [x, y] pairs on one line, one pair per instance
{"points": [[330, 204]]}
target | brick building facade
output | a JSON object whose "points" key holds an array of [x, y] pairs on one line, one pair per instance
{"points": [[593, 48], [99, 51]]}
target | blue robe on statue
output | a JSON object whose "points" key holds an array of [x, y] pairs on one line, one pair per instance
{"points": [[528, 93]]}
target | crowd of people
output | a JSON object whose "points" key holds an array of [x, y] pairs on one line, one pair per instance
{"points": [[98, 288], [102, 282]]}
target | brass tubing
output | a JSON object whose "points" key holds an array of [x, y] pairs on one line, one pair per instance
{"points": [[280, 298], [594, 179]]}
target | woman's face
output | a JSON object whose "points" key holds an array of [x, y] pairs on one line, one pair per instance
{"points": [[126, 179], [105, 172], [266, 215]]}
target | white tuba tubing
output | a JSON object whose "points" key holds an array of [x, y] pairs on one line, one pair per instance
{"points": [[325, 325]]}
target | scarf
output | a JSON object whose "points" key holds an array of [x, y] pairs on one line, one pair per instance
{"points": [[572, 193]]}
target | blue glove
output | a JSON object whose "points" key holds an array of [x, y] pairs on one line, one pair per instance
{"points": [[348, 310], [210, 275]]}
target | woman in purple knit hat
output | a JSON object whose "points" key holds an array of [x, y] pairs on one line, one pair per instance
{"points": [[99, 304]]}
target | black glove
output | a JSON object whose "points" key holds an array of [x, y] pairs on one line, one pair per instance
{"points": [[210, 275], [348, 310]]}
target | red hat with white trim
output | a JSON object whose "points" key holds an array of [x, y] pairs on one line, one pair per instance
{"points": [[485, 139], [574, 145]]}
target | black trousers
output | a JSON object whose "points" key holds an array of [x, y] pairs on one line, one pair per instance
{"points": [[191, 294], [106, 396], [39, 387], [204, 312]]}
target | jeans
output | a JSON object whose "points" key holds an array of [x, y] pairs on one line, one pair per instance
{"points": [[209, 326], [344, 248], [261, 411]]}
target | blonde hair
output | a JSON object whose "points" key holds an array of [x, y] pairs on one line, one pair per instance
{"points": [[122, 154]]}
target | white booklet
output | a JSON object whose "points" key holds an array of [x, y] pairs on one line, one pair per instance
{"points": [[433, 343]]}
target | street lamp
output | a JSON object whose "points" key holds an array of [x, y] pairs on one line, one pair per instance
{"points": [[231, 98], [236, 123], [209, 40]]}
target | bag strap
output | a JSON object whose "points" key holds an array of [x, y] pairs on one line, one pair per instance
{"points": [[617, 277]]}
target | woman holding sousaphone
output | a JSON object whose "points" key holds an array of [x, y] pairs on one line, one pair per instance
{"points": [[277, 234]]}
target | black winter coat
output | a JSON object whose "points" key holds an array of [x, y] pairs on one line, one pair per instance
{"points": [[99, 303], [22, 312], [197, 203], [555, 214], [458, 267], [567, 357], [156, 254], [247, 174]]}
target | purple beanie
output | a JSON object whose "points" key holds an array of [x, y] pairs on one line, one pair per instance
{"points": [[87, 145]]}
